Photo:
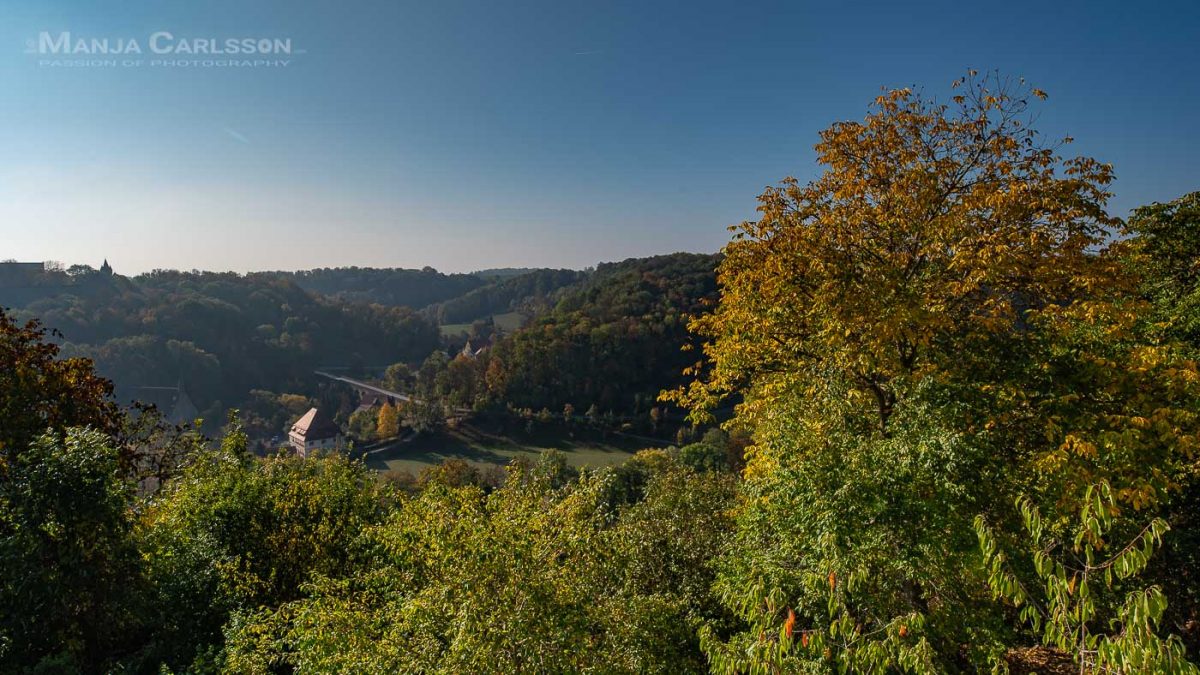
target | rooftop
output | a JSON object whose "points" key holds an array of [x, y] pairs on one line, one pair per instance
{"points": [[315, 425]]}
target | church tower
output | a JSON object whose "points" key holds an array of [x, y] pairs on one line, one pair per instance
{"points": [[106, 269]]}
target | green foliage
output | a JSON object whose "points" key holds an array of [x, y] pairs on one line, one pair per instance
{"points": [[422, 415], [364, 425], [269, 414], [397, 377], [395, 287], [1176, 568], [531, 578], [157, 448], [70, 591], [234, 533], [613, 341], [1168, 235], [1165, 248], [866, 542], [1076, 606], [712, 453], [531, 292]]}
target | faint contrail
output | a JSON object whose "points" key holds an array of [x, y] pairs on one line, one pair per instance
{"points": [[237, 136]]}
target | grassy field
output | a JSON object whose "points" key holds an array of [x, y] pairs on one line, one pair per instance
{"points": [[507, 322], [485, 447]]}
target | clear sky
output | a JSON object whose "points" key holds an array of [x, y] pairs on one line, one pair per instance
{"points": [[556, 133]]}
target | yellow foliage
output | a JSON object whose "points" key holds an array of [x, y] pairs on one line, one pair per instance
{"points": [[932, 229], [388, 422]]}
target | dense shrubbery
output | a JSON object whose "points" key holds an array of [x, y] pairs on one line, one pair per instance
{"points": [[71, 574], [545, 574]]}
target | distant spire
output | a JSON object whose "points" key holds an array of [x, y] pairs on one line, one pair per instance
{"points": [[106, 268]]}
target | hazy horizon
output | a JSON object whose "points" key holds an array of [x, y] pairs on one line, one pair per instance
{"points": [[474, 270], [464, 136]]}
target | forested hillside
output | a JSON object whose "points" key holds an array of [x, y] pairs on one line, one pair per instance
{"points": [[221, 335], [614, 343], [528, 292], [608, 339], [609, 345], [393, 286]]}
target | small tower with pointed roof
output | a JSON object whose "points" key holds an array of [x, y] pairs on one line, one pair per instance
{"points": [[106, 269]]}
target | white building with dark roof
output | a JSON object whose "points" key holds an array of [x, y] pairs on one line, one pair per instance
{"points": [[314, 431]]}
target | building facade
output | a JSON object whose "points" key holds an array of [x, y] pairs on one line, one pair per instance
{"points": [[312, 432]]}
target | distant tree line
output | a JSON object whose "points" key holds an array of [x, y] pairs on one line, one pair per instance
{"points": [[530, 293], [223, 335], [385, 286]]}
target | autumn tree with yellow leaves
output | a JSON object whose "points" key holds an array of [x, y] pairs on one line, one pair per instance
{"points": [[936, 326], [931, 230], [387, 421]]}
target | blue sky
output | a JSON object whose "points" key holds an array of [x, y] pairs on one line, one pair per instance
{"points": [[465, 135]]}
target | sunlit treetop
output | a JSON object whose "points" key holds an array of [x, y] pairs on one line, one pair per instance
{"points": [[932, 227]]}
